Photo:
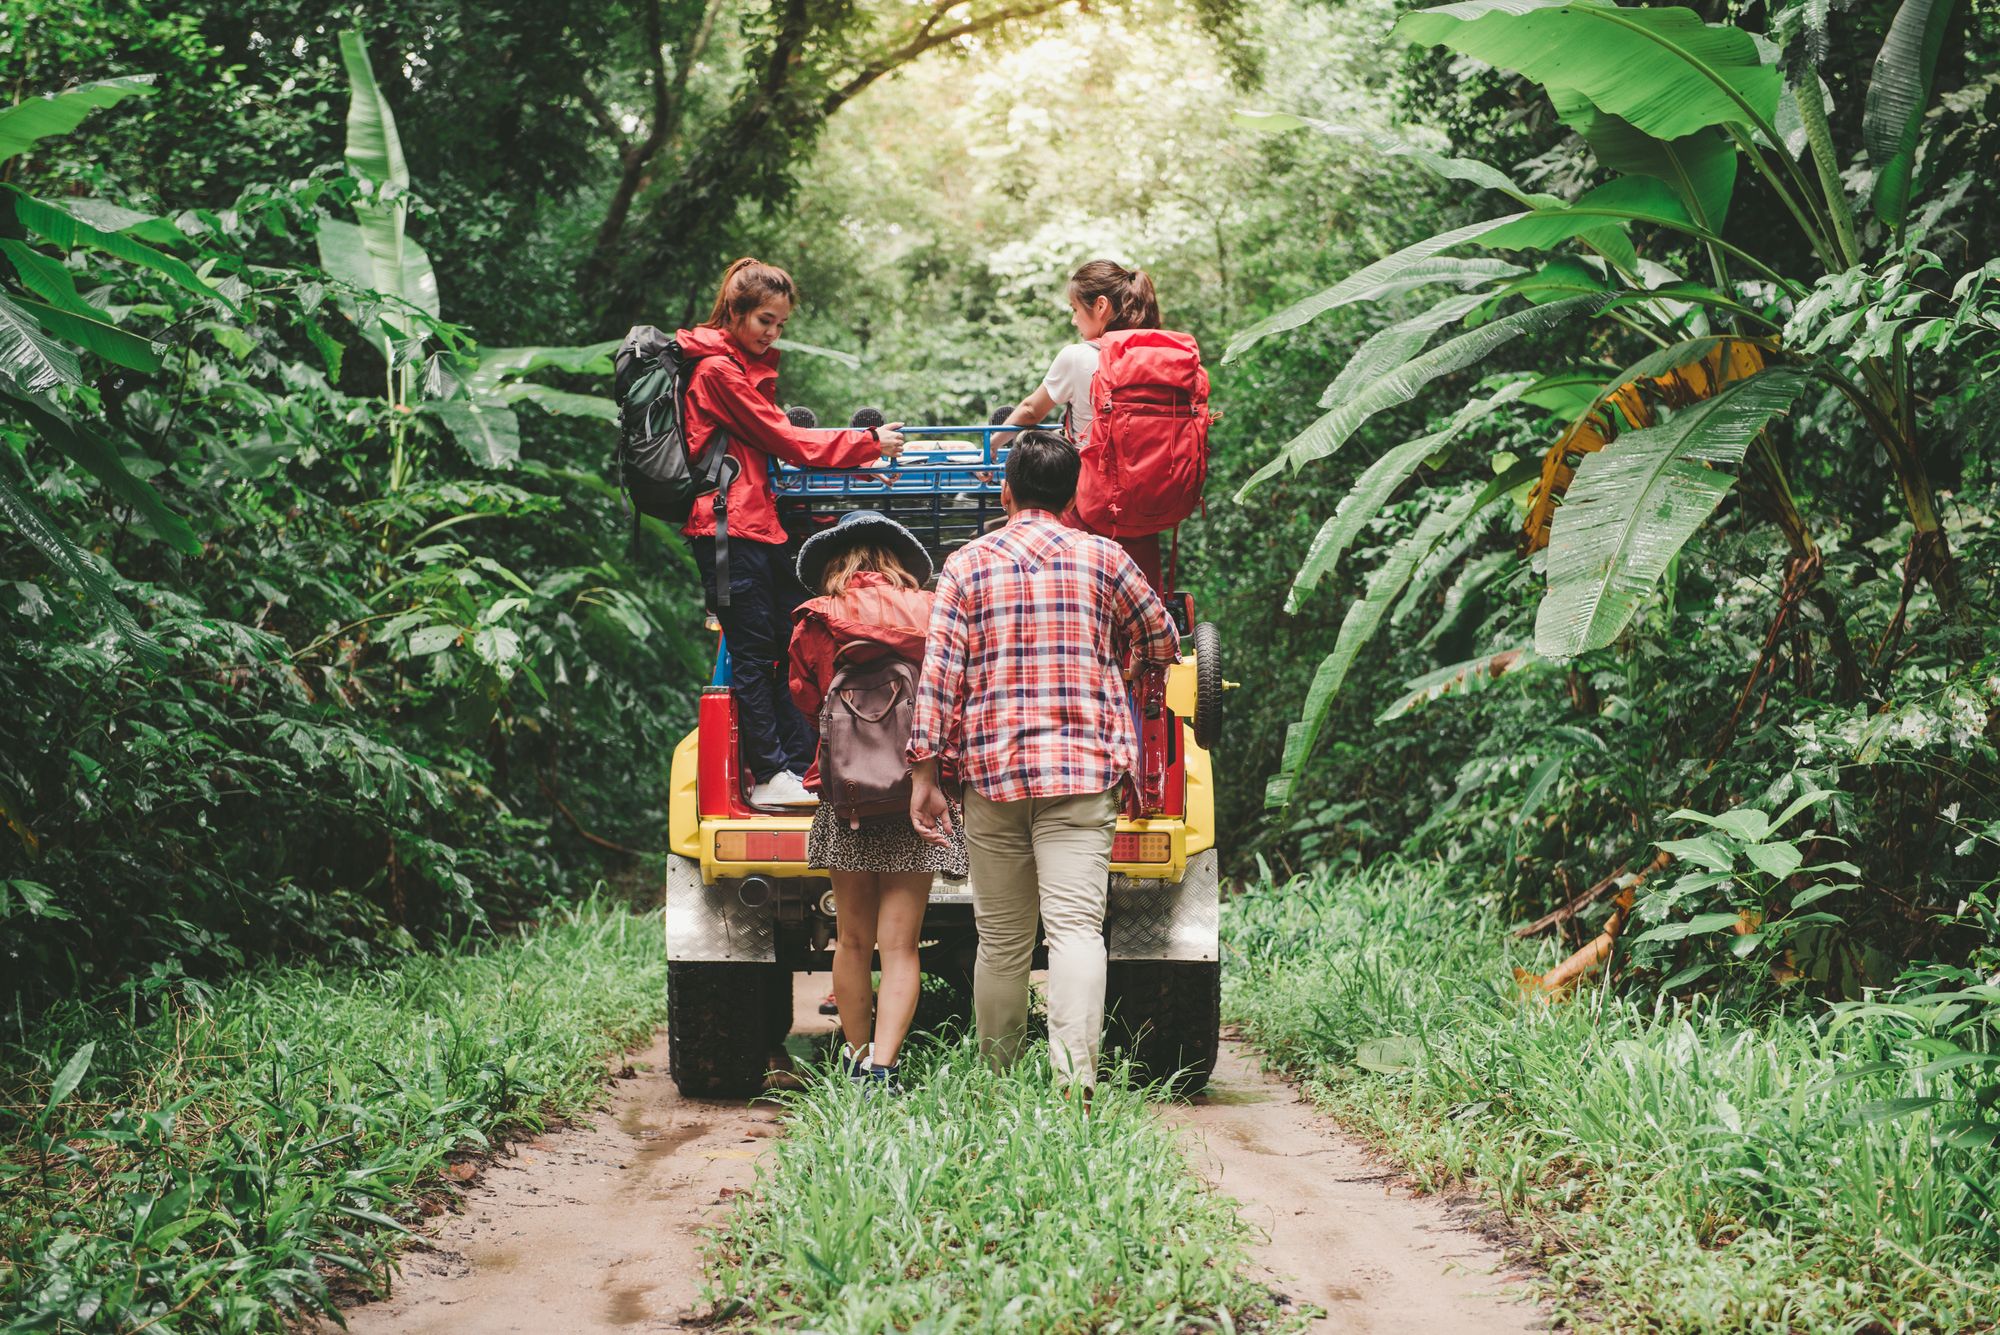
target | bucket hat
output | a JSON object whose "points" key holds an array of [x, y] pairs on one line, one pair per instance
{"points": [[856, 527]]}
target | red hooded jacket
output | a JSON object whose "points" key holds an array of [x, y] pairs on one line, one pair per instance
{"points": [[871, 607], [737, 393]]}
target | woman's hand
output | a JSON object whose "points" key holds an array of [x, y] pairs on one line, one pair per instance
{"points": [[891, 438], [930, 814]]}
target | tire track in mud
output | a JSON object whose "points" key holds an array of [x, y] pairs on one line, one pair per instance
{"points": [[592, 1229], [1338, 1233], [595, 1229]]}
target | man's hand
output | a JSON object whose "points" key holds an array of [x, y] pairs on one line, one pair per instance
{"points": [[930, 813]]}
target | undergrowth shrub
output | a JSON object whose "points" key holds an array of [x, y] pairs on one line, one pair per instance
{"points": [[1682, 1165]]}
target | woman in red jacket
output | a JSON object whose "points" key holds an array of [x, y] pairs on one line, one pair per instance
{"points": [[733, 392], [870, 571]]}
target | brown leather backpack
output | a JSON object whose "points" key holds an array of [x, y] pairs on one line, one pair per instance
{"points": [[864, 730]]}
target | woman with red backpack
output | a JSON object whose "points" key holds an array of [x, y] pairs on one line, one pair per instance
{"points": [[1143, 463], [732, 393], [857, 648]]}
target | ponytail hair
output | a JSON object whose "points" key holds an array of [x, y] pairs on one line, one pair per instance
{"points": [[748, 284], [1134, 305]]}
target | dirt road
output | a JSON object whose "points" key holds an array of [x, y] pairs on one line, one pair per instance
{"points": [[1339, 1234], [592, 1229], [595, 1229]]}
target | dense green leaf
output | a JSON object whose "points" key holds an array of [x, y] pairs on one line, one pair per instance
{"points": [[26, 123], [37, 362], [1327, 434], [101, 459], [1377, 483], [53, 223], [490, 433], [93, 334], [1364, 617], [29, 520], [1662, 69], [1898, 92], [1701, 167], [1383, 277], [1634, 504]]}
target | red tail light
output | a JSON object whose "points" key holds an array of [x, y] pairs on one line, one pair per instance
{"points": [[1135, 847]]}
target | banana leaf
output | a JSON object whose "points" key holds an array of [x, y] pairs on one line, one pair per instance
{"points": [[1363, 619], [36, 362], [1898, 91], [1467, 678], [496, 364], [1700, 167], [1662, 69], [1390, 347], [47, 279], [1372, 490], [92, 333], [490, 433], [101, 459], [26, 123], [1633, 505], [1380, 279], [57, 225], [32, 523], [1331, 431]]}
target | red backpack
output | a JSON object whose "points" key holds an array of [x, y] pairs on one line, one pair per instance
{"points": [[1147, 456]]}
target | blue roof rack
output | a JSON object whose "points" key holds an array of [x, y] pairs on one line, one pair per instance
{"points": [[945, 488]]}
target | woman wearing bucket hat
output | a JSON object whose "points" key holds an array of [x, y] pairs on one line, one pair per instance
{"points": [[869, 572]]}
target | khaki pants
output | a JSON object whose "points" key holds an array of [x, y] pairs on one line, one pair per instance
{"points": [[1046, 857]]}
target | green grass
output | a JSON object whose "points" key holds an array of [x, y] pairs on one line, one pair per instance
{"points": [[981, 1201], [213, 1163], [1684, 1170]]}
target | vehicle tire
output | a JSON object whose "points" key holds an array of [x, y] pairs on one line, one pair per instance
{"points": [[1207, 685], [1165, 1016], [721, 1023]]}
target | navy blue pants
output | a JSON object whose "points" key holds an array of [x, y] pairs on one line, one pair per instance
{"points": [[758, 627]]}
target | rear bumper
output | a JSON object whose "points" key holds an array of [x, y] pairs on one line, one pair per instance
{"points": [[771, 916]]}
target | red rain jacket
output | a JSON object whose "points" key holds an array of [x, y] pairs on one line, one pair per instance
{"points": [[871, 607], [737, 393]]}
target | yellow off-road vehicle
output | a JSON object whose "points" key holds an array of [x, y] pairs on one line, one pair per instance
{"points": [[744, 912]]}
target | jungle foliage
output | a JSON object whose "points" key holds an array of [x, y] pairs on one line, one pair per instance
{"points": [[1637, 412]]}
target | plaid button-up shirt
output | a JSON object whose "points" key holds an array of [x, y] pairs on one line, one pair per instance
{"points": [[1023, 666]]}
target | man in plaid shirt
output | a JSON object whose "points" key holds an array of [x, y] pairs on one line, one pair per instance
{"points": [[1024, 667]]}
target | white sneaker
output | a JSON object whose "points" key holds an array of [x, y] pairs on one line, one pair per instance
{"points": [[783, 790]]}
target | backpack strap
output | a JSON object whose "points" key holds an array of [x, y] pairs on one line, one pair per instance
{"points": [[729, 469]]}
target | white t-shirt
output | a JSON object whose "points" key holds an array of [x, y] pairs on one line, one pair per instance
{"points": [[1068, 383]]}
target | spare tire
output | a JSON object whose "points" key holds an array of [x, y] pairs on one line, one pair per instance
{"points": [[1207, 685]]}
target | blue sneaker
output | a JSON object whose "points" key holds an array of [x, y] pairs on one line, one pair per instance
{"points": [[882, 1079], [854, 1063]]}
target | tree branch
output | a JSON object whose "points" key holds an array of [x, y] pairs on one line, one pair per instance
{"points": [[634, 157], [605, 122], [927, 38]]}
